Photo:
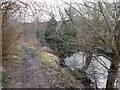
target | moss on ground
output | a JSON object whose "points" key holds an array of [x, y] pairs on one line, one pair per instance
{"points": [[32, 49], [18, 57], [43, 59], [18, 50], [75, 73], [5, 79], [78, 74]]}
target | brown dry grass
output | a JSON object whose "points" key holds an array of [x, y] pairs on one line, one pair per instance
{"points": [[9, 40]]}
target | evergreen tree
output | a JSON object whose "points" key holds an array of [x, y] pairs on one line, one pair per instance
{"points": [[61, 40]]}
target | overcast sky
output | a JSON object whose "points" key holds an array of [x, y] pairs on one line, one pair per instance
{"points": [[55, 3]]}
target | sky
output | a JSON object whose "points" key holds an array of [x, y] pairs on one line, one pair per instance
{"points": [[55, 3], [59, 1]]}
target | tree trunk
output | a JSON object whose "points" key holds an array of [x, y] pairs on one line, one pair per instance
{"points": [[87, 62], [111, 80], [112, 74]]}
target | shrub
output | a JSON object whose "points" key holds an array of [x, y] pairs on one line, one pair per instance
{"points": [[61, 40]]}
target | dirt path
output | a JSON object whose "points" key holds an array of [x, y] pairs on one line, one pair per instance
{"points": [[28, 74]]}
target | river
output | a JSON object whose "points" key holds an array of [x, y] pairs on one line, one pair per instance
{"points": [[97, 69]]}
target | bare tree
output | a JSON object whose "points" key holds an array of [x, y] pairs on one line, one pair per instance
{"points": [[102, 33], [0, 49], [11, 12]]}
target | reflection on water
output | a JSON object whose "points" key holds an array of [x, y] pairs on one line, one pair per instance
{"points": [[97, 69]]}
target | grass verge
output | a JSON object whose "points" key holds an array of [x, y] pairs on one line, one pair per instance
{"points": [[43, 59]]}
